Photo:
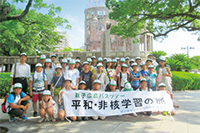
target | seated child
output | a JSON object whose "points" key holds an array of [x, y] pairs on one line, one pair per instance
{"points": [[113, 85], [143, 87], [48, 106], [162, 87], [62, 114], [97, 85]]}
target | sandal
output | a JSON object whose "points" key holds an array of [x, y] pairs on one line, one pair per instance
{"points": [[176, 106], [41, 120]]}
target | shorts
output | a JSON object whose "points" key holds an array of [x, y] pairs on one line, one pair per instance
{"points": [[18, 112], [36, 96], [61, 106]]}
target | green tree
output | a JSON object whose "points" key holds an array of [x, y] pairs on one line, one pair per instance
{"points": [[157, 54], [195, 60], [69, 49], [158, 17], [34, 31]]}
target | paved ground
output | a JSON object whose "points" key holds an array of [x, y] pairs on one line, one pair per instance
{"points": [[187, 120]]}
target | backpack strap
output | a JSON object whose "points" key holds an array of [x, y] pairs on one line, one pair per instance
{"points": [[127, 77], [120, 75]]}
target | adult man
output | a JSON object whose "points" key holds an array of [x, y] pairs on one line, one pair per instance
{"points": [[20, 72], [17, 103], [53, 59]]}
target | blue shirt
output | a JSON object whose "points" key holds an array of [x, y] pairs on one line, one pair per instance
{"points": [[135, 83], [11, 98], [153, 79], [146, 75]]}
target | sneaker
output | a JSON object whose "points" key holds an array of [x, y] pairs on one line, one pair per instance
{"points": [[41, 120], [12, 118], [53, 119], [23, 117], [85, 118], [79, 118], [35, 113], [149, 113], [134, 114]]}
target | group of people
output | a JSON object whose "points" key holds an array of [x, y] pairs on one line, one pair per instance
{"points": [[50, 80]]}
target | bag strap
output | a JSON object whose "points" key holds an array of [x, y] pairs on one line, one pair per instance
{"points": [[120, 73], [57, 81], [99, 76], [14, 70], [108, 74]]}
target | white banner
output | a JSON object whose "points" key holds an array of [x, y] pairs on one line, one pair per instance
{"points": [[96, 103]]}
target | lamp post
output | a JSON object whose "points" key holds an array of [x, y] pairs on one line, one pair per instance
{"points": [[183, 48]]}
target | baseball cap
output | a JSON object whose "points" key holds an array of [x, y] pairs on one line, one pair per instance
{"points": [[64, 61], [58, 67], [46, 92], [68, 79], [82, 82], [100, 59], [108, 60], [68, 59], [143, 79], [38, 65], [97, 81], [93, 57], [17, 85], [117, 58], [127, 86], [85, 63], [77, 61], [72, 61], [113, 83], [42, 57], [161, 85], [99, 64], [127, 58], [161, 58], [149, 60], [124, 65], [105, 58], [132, 60], [114, 60], [142, 63], [138, 58], [134, 64], [48, 60], [122, 60], [23, 54], [89, 60], [53, 55], [150, 66]]}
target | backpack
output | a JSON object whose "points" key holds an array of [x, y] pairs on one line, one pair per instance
{"points": [[3, 105], [121, 76], [33, 78]]}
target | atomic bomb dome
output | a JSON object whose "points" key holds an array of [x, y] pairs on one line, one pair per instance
{"points": [[95, 3]]}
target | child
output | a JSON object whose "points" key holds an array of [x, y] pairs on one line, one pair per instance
{"points": [[42, 59], [97, 85], [56, 83], [49, 71], [82, 85], [114, 64], [148, 62], [113, 85], [153, 76], [164, 76], [48, 107], [62, 114], [143, 87], [123, 76], [78, 66], [118, 69], [145, 73], [38, 83], [101, 76], [138, 61], [127, 61], [94, 60], [91, 67], [127, 87], [162, 87], [73, 74], [130, 64], [64, 65], [87, 76], [135, 76]]}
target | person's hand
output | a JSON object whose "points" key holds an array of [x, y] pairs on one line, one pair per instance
{"points": [[62, 93], [163, 74], [19, 102]]}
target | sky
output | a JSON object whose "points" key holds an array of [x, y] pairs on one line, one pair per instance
{"points": [[73, 10]]}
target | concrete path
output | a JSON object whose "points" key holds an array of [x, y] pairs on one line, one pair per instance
{"points": [[187, 120]]}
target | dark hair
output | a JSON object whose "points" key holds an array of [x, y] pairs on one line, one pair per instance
{"points": [[46, 65], [121, 68], [78, 57], [114, 67]]}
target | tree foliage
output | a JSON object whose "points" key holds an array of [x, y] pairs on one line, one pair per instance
{"points": [[195, 60], [157, 54], [69, 49], [34, 31], [158, 17]]}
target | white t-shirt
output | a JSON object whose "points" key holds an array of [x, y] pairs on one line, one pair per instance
{"points": [[39, 81], [73, 75], [124, 78]]}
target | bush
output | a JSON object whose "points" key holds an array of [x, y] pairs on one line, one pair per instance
{"points": [[185, 81], [4, 84]]}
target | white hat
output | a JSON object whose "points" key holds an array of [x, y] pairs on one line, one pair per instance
{"points": [[89, 60], [137, 58], [122, 60], [23, 54], [134, 64], [132, 60], [127, 58], [53, 55], [82, 82], [72, 61], [114, 60], [85, 63], [113, 83], [149, 60], [143, 79], [38, 65], [77, 61], [17, 85], [42, 57], [161, 85], [64, 61], [58, 67], [68, 79], [48, 60], [124, 65], [68, 59], [108, 60], [142, 63], [99, 64], [100, 59], [93, 57], [97, 81], [117, 58], [150, 66], [127, 86], [161, 58], [105, 58], [47, 92]]}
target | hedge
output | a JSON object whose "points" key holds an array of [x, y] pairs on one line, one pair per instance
{"points": [[180, 81], [185, 81]]}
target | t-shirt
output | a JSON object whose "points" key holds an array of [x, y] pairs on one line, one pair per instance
{"points": [[73, 75], [135, 83], [139, 89], [60, 82], [146, 75], [102, 78], [123, 79], [11, 99], [124, 90], [39, 81], [49, 73], [87, 77], [111, 72], [153, 79]]}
